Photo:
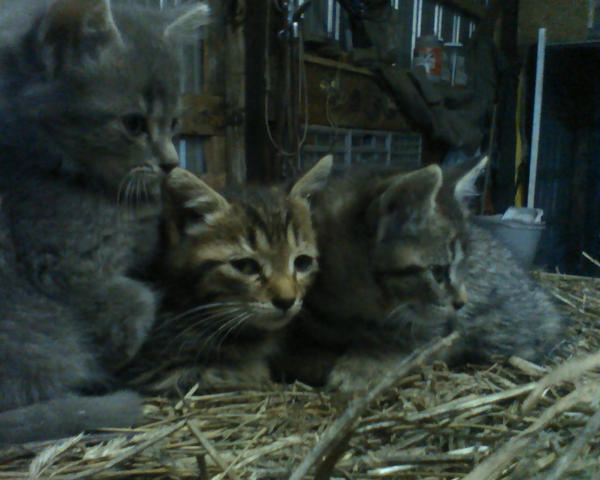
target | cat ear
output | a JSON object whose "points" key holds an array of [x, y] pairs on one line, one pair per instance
{"points": [[190, 204], [406, 201], [186, 24], [313, 180], [73, 29], [464, 185]]}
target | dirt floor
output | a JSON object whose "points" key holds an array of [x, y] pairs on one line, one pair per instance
{"points": [[512, 421]]}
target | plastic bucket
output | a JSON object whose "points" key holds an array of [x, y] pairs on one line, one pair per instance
{"points": [[520, 237]]}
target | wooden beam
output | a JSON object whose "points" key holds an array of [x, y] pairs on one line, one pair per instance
{"points": [[260, 158], [327, 62], [235, 94], [203, 115], [213, 63]]}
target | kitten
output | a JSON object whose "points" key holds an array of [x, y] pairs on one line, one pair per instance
{"points": [[234, 269], [402, 264], [89, 99]]}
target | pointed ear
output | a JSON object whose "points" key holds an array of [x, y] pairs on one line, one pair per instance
{"points": [[464, 185], [74, 29], [406, 201], [190, 205], [187, 23], [313, 180]]}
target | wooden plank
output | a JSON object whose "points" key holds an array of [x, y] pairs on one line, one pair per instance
{"points": [[215, 150], [565, 20], [213, 64], [203, 115], [327, 62], [260, 159], [346, 98], [235, 95]]}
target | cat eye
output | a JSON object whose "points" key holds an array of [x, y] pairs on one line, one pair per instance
{"points": [[247, 266], [404, 271], [174, 124], [135, 124], [440, 273], [303, 263]]}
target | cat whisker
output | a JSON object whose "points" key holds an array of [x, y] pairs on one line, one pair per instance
{"points": [[208, 343], [133, 189], [210, 320], [120, 190], [142, 190], [136, 190], [225, 330], [201, 308], [396, 312], [206, 320], [197, 333], [129, 193], [233, 324]]}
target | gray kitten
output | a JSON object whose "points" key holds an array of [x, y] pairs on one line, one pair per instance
{"points": [[401, 263], [89, 100]]}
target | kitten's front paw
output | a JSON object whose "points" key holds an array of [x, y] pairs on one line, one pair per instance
{"points": [[212, 378], [250, 374], [353, 374]]}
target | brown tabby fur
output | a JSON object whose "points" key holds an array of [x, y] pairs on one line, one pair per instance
{"points": [[235, 269], [400, 265]]}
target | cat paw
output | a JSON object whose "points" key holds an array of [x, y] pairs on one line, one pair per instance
{"points": [[121, 316], [217, 377], [250, 374], [355, 374]]}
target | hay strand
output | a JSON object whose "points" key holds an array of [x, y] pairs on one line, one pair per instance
{"points": [[591, 428], [435, 423], [339, 431], [568, 371]]}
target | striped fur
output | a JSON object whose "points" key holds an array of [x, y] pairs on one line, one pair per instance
{"points": [[235, 270]]}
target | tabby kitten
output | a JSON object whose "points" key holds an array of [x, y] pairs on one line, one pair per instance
{"points": [[234, 270], [401, 264], [89, 97]]}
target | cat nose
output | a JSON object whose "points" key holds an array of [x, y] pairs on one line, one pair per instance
{"points": [[167, 156], [283, 303], [458, 304], [460, 297], [167, 167]]}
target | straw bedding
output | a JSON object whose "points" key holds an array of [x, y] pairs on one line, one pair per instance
{"points": [[423, 421]]}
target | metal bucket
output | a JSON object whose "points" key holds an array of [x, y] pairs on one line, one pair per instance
{"points": [[521, 237]]}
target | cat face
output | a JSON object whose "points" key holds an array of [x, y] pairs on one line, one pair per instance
{"points": [[105, 89], [246, 258], [392, 252]]}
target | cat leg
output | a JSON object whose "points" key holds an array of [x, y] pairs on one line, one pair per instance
{"points": [[307, 364], [120, 315], [216, 377], [67, 416], [359, 372]]}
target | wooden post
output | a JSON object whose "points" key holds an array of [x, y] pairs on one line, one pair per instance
{"points": [[215, 151], [235, 97], [259, 154]]}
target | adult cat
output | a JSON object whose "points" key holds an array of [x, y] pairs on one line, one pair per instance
{"points": [[89, 100]]}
